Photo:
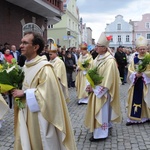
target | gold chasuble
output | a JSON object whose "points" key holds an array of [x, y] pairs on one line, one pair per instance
{"points": [[107, 68], [3, 107], [50, 127], [60, 71], [81, 81], [142, 106]]}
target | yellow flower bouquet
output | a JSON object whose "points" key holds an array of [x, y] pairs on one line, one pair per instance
{"points": [[11, 77]]}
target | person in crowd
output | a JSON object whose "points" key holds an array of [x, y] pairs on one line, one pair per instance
{"points": [[73, 51], [1, 47], [75, 58], [8, 56], [4, 108], [138, 102], [1, 58], [121, 61], [104, 104], [70, 67], [59, 51], [6, 46], [82, 68], [14, 52], [44, 122], [59, 69], [127, 51], [93, 53], [45, 52], [78, 52], [63, 54], [134, 54], [112, 50]]}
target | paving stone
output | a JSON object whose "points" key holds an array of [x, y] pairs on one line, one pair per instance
{"points": [[121, 137]]}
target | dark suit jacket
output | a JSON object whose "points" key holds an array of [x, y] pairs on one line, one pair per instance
{"points": [[18, 55]]}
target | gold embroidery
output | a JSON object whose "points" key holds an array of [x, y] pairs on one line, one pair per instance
{"points": [[136, 107]]}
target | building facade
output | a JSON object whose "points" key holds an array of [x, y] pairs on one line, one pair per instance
{"points": [[19, 16], [66, 32], [141, 27], [121, 32], [89, 35]]}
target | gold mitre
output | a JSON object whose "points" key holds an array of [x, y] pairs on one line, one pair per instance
{"points": [[53, 47], [141, 41], [104, 40], [83, 46]]}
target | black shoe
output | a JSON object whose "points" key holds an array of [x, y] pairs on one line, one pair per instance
{"points": [[96, 140], [82, 103], [130, 123]]}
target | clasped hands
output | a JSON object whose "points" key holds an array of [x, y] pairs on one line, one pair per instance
{"points": [[138, 75], [89, 89]]}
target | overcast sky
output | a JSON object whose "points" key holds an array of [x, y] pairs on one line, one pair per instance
{"points": [[97, 13]]}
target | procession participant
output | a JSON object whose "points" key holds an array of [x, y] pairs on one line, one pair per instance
{"points": [[44, 123], [70, 67], [138, 103], [121, 62], [104, 103], [83, 64], [59, 69], [4, 108]]}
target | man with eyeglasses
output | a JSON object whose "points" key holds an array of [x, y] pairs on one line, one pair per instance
{"points": [[104, 104], [138, 102], [44, 123]]}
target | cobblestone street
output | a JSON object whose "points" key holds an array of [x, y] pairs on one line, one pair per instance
{"points": [[121, 137]]}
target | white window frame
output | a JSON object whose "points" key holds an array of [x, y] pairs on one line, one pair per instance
{"points": [[31, 27]]}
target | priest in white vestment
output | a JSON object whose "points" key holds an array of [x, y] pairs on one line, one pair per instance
{"points": [[44, 122]]}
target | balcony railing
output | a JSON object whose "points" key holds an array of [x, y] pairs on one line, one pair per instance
{"points": [[58, 4]]}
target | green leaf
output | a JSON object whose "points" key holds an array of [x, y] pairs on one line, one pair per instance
{"points": [[5, 78], [94, 76]]}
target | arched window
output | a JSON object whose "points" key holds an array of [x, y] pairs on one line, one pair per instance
{"points": [[31, 27]]}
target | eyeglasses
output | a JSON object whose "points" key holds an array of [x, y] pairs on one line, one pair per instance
{"points": [[142, 49], [25, 43], [99, 46]]}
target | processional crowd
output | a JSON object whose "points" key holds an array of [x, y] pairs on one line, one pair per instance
{"points": [[96, 75]]}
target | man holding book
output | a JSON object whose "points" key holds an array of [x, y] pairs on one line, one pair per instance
{"points": [[104, 104]]}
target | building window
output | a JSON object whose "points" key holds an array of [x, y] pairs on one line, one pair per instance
{"points": [[147, 25], [127, 38], [119, 38], [138, 34], [31, 27], [148, 36], [72, 9], [118, 26], [33, 20], [50, 26], [69, 23], [72, 25]]}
